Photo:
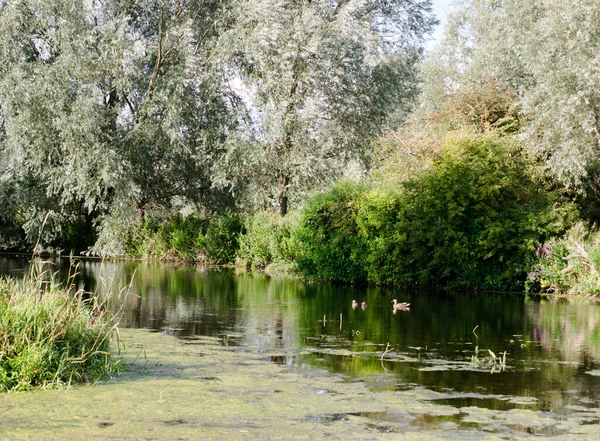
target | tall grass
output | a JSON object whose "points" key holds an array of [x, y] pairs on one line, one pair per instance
{"points": [[51, 335]]}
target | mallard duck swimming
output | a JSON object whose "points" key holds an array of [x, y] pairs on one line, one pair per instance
{"points": [[403, 306]]}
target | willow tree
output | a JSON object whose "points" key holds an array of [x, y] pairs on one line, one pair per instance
{"points": [[319, 80], [545, 53], [109, 109], [559, 45]]}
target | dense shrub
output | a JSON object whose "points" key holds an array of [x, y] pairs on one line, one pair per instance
{"points": [[51, 336], [475, 218], [270, 242], [379, 223], [330, 242], [185, 236], [219, 243], [190, 238], [472, 220], [151, 240]]}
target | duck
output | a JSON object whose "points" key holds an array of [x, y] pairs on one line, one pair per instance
{"points": [[403, 306], [363, 305], [354, 304]]}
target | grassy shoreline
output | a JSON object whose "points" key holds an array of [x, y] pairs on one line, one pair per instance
{"points": [[52, 336]]}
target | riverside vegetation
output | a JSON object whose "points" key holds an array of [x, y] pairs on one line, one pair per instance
{"points": [[473, 219], [52, 336], [336, 149]]}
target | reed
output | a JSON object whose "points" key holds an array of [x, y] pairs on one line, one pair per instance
{"points": [[51, 335]]}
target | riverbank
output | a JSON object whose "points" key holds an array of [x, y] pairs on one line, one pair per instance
{"points": [[473, 220], [200, 389], [51, 335]]}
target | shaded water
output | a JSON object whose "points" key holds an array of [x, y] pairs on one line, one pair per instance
{"points": [[552, 361]]}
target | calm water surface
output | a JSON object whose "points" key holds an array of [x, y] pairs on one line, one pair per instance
{"points": [[443, 343]]}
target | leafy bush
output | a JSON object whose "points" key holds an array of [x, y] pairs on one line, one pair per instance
{"points": [[472, 220], [214, 241], [220, 242], [476, 217], [51, 336], [331, 246], [269, 241], [185, 236], [570, 264], [151, 240], [378, 221]]}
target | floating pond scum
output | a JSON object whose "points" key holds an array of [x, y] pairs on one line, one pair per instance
{"points": [[178, 389]]}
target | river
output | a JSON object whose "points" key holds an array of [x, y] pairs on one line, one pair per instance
{"points": [[477, 365]]}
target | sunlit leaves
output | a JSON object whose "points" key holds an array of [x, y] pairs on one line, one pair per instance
{"points": [[319, 80], [542, 52]]}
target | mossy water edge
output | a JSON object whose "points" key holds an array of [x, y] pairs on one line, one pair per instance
{"points": [[201, 389]]}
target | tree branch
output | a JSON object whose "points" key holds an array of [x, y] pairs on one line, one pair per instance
{"points": [[159, 58]]}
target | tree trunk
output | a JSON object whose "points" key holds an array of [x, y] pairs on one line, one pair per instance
{"points": [[596, 127], [282, 198]]}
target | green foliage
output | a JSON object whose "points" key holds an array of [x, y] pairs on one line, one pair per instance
{"points": [[270, 241], [219, 243], [317, 90], [77, 234], [475, 219], [481, 108], [472, 220], [588, 199], [330, 242], [151, 240], [107, 108], [112, 111], [570, 264], [402, 154], [379, 223], [190, 238], [51, 336], [12, 236], [492, 362], [543, 56], [185, 235]]}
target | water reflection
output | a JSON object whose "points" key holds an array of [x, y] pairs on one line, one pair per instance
{"points": [[550, 345]]}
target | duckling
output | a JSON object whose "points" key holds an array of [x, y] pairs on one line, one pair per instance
{"points": [[403, 306]]}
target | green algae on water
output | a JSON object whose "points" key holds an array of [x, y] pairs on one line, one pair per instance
{"points": [[199, 389]]}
